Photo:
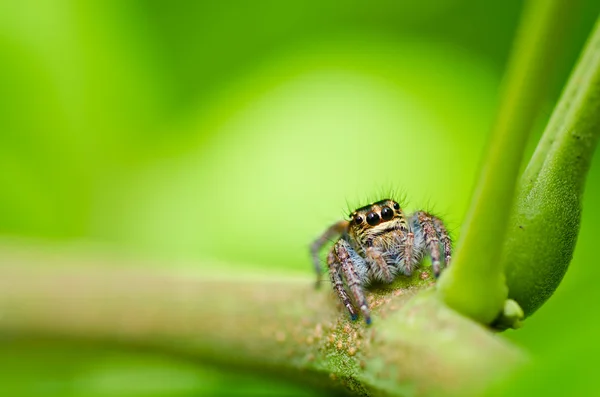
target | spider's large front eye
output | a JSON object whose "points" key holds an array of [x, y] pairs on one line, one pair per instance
{"points": [[372, 218], [387, 213]]}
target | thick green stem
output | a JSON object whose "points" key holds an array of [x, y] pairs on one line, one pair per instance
{"points": [[416, 346], [556, 125], [545, 222], [474, 284]]}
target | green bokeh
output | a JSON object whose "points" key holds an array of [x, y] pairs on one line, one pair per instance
{"points": [[236, 132]]}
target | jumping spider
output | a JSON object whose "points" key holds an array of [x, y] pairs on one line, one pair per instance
{"points": [[378, 243]]}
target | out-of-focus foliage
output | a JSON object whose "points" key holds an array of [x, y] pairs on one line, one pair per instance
{"points": [[192, 130]]}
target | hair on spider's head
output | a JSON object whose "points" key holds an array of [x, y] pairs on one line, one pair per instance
{"points": [[380, 196]]}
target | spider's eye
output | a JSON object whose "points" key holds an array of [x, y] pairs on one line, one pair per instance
{"points": [[358, 219], [372, 218], [396, 206], [387, 213]]}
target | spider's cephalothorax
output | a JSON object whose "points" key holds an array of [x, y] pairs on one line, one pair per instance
{"points": [[378, 243]]}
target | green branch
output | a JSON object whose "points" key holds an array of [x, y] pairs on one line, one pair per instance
{"points": [[279, 326], [545, 222], [577, 83], [475, 285]]}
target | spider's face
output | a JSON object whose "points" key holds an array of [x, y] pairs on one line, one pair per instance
{"points": [[375, 220]]}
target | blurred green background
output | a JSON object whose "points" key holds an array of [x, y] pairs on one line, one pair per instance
{"points": [[236, 131]]}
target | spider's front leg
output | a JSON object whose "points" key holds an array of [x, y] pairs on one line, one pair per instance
{"points": [[408, 243], [335, 272], [332, 231], [342, 251], [434, 231], [442, 232]]}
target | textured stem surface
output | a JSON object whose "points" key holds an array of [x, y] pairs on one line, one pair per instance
{"points": [[416, 345], [545, 222], [475, 284]]}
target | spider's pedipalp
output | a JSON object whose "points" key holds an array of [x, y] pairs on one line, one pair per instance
{"points": [[338, 283], [332, 231], [375, 256], [342, 251]]}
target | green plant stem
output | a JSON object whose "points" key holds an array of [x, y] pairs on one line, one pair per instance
{"points": [[557, 123], [474, 285], [544, 225], [416, 346]]}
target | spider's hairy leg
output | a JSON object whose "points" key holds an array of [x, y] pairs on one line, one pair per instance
{"points": [[338, 283], [375, 256], [332, 232], [440, 228], [342, 250], [432, 242], [407, 241]]}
